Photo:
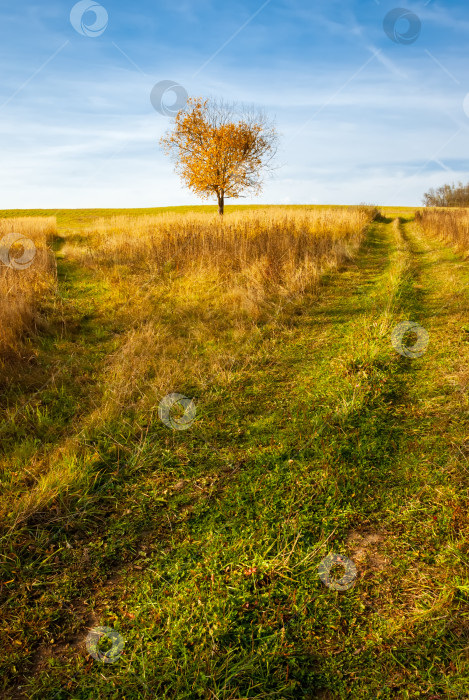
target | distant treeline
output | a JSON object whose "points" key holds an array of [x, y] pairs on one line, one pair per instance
{"points": [[447, 196]]}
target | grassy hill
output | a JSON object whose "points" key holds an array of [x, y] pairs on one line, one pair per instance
{"points": [[200, 546]]}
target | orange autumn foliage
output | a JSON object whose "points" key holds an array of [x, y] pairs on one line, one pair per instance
{"points": [[219, 152]]}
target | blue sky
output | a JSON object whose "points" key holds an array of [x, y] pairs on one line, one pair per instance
{"points": [[362, 118]]}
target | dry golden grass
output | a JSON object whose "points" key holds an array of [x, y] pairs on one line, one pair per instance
{"points": [[450, 225], [193, 278], [213, 528], [21, 290], [191, 293], [276, 251]]}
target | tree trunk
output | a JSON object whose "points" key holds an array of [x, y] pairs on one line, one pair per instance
{"points": [[221, 202]]}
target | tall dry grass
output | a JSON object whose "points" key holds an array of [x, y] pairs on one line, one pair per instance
{"points": [[22, 290], [191, 280], [187, 294], [449, 225], [264, 250]]}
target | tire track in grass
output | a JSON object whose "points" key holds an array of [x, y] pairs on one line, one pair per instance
{"points": [[377, 245], [375, 259], [403, 376], [422, 584], [250, 559]]}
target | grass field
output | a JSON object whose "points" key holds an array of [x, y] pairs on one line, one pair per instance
{"points": [[311, 436]]}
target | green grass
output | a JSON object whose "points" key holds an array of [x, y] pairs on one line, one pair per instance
{"points": [[201, 547]]}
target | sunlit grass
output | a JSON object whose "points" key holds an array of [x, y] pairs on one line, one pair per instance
{"points": [[450, 224], [184, 290], [22, 290], [312, 435]]}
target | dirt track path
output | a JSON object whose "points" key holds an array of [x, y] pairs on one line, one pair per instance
{"points": [[347, 446]]}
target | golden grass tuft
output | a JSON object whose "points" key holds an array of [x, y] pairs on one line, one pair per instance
{"points": [[21, 290], [450, 225]]}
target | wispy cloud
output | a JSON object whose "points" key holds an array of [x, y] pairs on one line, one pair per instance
{"points": [[78, 128]]}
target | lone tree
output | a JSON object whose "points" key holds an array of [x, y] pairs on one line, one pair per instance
{"points": [[220, 149]]}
